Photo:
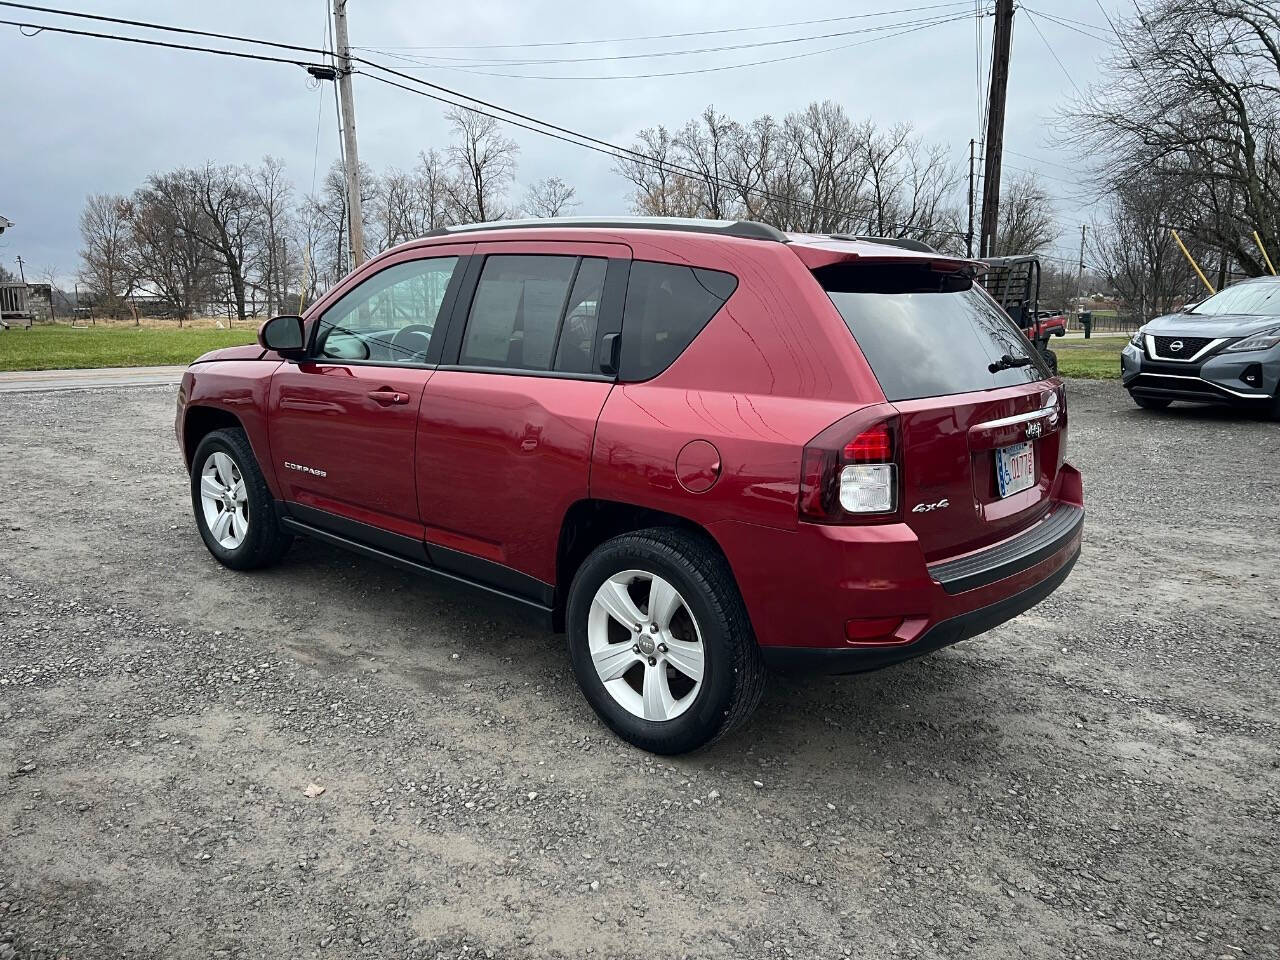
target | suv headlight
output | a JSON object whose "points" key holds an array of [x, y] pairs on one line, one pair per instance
{"points": [[1262, 340], [1136, 339]]}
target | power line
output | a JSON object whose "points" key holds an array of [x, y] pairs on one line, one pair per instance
{"points": [[1052, 163], [42, 28], [1035, 23], [149, 26], [531, 124], [1068, 26], [431, 61], [476, 71], [673, 36]]}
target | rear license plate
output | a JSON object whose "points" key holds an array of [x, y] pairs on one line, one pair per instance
{"points": [[1015, 468]]}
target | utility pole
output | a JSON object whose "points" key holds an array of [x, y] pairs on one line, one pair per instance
{"points": [[22, 276], [356, 224], [1001, 41], [968, 239], [1080, 275]]}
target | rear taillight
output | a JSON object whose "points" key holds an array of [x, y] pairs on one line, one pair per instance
{"points": [[849, 471]]}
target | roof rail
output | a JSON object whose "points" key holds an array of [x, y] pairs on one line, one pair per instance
{"points": [[745, 229], [904, 242]]}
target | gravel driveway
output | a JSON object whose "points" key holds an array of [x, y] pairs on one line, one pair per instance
{"points": [[1098, 778]]}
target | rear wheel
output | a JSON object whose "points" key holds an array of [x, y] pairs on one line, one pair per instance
{"points": [[234, 509], [1051, 359], [1150, 403], [660, 641]]}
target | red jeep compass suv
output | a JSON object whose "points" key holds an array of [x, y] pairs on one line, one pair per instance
{"points": [[701, 448]]}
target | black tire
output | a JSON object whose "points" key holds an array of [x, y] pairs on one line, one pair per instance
{"points": [[1051, 359], [1150, 403], [734, 672], [265, 542]]}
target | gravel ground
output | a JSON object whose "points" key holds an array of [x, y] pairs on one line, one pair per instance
{"points": [[1098, 778]]}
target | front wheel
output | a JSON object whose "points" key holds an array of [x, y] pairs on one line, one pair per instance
{"points": [[660, 641], [234, 509]]}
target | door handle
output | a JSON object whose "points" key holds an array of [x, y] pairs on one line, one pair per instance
{"points": [[387, 397]]}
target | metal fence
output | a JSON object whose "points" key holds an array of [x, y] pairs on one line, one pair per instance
{"points": [[1107, 322]]}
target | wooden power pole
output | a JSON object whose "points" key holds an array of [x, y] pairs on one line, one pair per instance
{"points": [[356, 217], [1001, 41], [968, 237]]}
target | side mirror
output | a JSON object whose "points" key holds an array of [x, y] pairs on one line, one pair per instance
{"points": [[284, 335]]}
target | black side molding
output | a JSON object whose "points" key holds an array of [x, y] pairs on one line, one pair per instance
{"points": [[406, 563], [1013, 555]]}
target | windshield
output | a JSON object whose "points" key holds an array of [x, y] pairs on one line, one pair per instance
{"points": [[1259, 298], [927, 334]]}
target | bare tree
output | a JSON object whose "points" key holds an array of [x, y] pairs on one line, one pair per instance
{"points": [[229, 224], [273, 196], [1136, 253], [707, 146], [551, 197], [432, 179], [486, 162], [168, 256], [395, 214], [814, 171], [659, 190], [1027, 223], [325, 225], [107, 264], [1192, 95]]}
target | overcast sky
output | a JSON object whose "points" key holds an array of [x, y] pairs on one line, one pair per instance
{"points": [[86, 116]]}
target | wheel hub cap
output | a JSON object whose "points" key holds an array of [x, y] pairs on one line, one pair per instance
{"points": [[646, 645], [224, 501]]}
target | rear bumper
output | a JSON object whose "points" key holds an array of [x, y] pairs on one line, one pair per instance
{"points": [[941, 634], [803, 588]]}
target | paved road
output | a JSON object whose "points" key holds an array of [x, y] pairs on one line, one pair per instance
{"points": [[24, 381], [1096, 779]]}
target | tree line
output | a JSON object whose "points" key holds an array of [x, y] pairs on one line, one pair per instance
{"points": [[242, 236]]}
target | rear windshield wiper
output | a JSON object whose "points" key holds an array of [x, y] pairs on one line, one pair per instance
{"points": [[1008, 361]]}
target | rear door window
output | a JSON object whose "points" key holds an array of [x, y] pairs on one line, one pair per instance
{"points": [[667, 306], [929, 334], [534, 313]]}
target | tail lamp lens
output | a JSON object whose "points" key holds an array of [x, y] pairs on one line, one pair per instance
{"points": [[870, 446], [867, 488], [847, 477]]}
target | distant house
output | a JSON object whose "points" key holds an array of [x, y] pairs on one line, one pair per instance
{"points": [[13, 295]]}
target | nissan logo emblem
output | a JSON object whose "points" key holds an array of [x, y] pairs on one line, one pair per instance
{"points": [[1176, 346]]}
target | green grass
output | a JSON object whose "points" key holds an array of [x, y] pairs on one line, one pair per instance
{"points": [[1095, 359], [65, 348]]}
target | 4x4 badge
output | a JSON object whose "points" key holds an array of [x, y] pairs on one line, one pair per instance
{"points": [[927, 507], [1034, 430]]}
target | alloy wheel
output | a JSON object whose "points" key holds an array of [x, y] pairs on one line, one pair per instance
{"points": [[646, 646], [224, 500]]}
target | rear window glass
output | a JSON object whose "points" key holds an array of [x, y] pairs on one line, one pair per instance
{"points": [[667, 306], [529, 311], [928, 334]]}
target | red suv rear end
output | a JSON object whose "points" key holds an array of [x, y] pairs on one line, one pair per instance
{"points": [[700, 447]]}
